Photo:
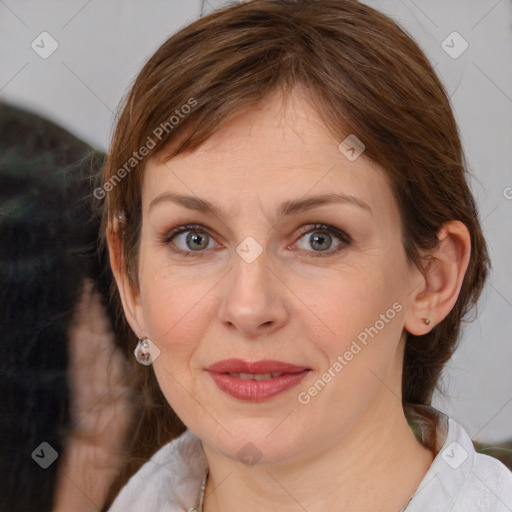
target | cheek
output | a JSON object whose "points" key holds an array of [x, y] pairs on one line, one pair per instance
{"points": [[175, 308], [362, 314], [176, 312], [342, 303], [360, 352]]}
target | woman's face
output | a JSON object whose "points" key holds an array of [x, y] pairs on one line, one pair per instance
{"points": [[332, 299]]}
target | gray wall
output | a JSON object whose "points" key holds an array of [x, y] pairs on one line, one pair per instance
{"points": [[102, 45]]}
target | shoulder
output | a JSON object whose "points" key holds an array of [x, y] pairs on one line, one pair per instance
{"points": [[168, 481], [488, 486], [462, 480]]}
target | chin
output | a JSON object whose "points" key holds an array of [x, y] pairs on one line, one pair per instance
{"points": [[254, 442]]}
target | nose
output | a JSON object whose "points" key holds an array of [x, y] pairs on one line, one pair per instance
{"points": [[253, 299]]}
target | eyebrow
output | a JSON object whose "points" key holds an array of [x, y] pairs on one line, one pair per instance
{"points": [[286, 208]]}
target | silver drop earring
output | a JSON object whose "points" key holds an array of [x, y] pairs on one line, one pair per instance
{"points": [[142, 351]]}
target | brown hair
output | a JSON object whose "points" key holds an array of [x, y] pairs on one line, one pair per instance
{"points": [[365, 76]]}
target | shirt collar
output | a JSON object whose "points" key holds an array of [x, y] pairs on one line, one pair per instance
{"points": [[450, 468]]}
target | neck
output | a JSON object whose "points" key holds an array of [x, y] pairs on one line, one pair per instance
{"points": [[377, 465]]}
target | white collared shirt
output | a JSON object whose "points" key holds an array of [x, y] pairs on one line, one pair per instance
{"points": [[458, 480]]}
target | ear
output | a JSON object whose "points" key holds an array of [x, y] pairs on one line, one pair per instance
{"points": [[441, 280], [129, 293]]}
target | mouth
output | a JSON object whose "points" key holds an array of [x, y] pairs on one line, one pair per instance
{"points": [[263, 367], [256, 381], [255, 376]]}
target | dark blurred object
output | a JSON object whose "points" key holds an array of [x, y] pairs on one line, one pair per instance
{"points": [[48, 246], [501, 451]]}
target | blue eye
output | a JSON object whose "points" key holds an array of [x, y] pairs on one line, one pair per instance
{"points": [[193, 239], [193, 243], [321, 239]]}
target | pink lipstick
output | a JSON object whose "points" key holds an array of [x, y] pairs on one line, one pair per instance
{"points": [[256, 381]]}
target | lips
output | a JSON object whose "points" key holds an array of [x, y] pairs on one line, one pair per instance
{"points": [[255, 381], [257, 367]]}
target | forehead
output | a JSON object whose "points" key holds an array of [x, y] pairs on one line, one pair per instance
{"points": [[278, 151]]}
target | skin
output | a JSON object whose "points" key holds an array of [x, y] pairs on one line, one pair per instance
{"points": [[100, 410], [350, 447]]}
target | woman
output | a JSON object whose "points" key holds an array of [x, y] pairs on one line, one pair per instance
{"points": [[295, 246]]}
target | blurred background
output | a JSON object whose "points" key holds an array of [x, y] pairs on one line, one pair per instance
{"points": [[73, 61]]}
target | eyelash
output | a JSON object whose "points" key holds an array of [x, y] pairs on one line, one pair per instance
{"points": [[322, 228]]}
